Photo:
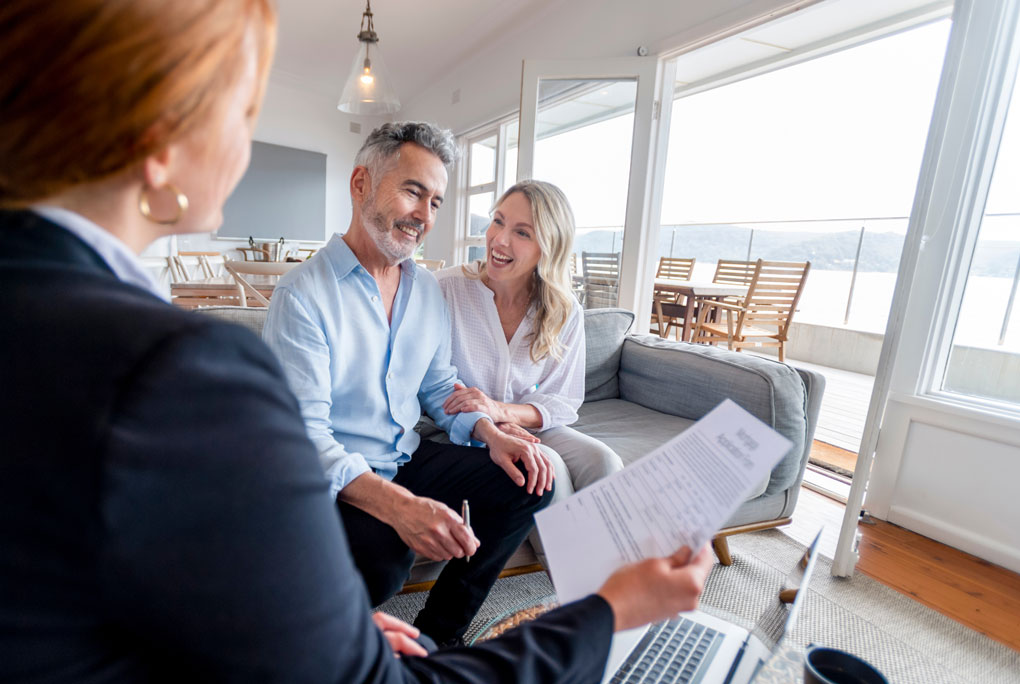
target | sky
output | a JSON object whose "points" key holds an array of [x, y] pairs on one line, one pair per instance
{"points": [[837, 137]]}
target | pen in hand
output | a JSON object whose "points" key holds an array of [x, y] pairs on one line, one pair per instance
{"points": [[465, 513]]}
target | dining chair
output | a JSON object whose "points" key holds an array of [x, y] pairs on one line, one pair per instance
{"points": [[762, 318], [431, 264], [667, 309], [239, 269], [179, 271], [601, 279]]}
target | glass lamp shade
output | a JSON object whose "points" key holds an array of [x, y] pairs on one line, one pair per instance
{"points": [[369, 89]]}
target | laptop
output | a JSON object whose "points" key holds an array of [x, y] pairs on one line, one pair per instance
{"points": [[699, 648]]}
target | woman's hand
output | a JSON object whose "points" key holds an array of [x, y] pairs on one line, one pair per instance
{"points": [[470, 399], [515, 430], [656, 588], [400, 635]]}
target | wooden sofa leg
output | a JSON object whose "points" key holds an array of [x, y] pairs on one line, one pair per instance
{"points": [[722, 550]]}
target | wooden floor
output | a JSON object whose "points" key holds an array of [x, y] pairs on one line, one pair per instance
{"points": [[834, 458], [980, 595]]}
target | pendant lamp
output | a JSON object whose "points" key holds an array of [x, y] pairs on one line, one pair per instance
{"points": [[369, 89]]}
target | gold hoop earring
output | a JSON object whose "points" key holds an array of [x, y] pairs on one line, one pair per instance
{"points": [[146, 209]]}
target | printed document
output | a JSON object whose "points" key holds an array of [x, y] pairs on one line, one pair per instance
{"points": [[681, 494]]}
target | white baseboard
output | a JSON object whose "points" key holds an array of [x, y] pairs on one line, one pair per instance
{"points": [[991, 550]]}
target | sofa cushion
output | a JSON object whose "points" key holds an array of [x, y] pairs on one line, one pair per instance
{"points": [[604, 330], [634, 431], [251, 317], [689, 380]]}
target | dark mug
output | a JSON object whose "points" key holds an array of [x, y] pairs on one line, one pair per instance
{"points": [[831, 666]]}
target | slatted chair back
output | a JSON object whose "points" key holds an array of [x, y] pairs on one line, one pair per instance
{"points": [[773, 294], [666, 312], [204, 261], [601, 279], [675, 268], [764, 315], [734, 272]]}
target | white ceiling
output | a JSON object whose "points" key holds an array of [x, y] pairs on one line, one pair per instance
{"points": [[419, 41]]}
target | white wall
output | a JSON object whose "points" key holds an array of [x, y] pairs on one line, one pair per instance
{"points": [[489, 82], [295, 116], [949, 473]]}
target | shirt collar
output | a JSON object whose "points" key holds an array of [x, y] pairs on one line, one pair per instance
{"points": [[344, 261], [124, 263]]}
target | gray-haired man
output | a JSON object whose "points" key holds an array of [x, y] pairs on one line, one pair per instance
{"points": [[363, 335]]}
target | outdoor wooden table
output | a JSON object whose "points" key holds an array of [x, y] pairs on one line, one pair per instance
{"points": [[222, 290], [695, 289]]}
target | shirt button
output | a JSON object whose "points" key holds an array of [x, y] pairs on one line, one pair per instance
{"points": [[389, 376], [374, 298]]}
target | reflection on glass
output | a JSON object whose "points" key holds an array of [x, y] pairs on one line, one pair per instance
{"points": [[475, 252], [984, 360], [483, 161], [480, 207], [583, 132]]}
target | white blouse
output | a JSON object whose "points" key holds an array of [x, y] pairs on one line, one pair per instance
{"points": [[505, 372]]}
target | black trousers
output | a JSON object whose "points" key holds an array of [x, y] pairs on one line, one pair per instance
{"points": [[502, 514]]}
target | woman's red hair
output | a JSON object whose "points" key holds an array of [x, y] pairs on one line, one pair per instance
{"points": [[88, 88]]}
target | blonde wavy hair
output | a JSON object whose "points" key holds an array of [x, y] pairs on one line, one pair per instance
{"points": [[551, 295]]}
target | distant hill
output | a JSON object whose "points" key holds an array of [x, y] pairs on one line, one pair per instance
{"points": [[831, 251]]}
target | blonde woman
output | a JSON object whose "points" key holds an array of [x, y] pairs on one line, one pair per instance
{"points": [[518, 332]]}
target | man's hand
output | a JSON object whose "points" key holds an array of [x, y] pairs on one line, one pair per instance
{"points": [[471, 399], [505, 451], [400, 635], [432, 529], [656, 588]]}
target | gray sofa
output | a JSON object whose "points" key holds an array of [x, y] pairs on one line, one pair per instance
{"points": [[641, 390]]}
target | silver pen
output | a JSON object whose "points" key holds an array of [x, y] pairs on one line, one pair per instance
{"points": [[465, 514]]}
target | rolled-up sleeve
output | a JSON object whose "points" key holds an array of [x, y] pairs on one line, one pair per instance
{"points": [[300, 345], [438, 385], [560, 392]]}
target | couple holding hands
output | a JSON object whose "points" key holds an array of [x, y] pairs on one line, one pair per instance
{"points": [[493, 351]]}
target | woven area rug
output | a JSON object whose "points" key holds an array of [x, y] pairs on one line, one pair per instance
{"points": [[907, 641]]}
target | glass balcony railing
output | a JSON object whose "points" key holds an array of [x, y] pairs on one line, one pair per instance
{"points": [[853, 269]]}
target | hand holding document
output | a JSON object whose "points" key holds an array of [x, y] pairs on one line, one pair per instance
{"points": [[678, 495]]}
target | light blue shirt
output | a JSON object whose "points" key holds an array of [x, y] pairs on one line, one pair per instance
{"points": [[362, 382]]}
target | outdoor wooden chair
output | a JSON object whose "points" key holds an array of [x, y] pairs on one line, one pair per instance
{"points": [[763, 317], [601, 279], [667, 308], [729, 272]]}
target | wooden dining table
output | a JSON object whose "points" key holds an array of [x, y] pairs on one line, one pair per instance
{"points": [[691, 291], [221, 290]]}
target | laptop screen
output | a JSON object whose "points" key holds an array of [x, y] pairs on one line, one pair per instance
{"points": [[777, 622]]}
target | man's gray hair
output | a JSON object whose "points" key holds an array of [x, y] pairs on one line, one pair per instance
{"points": [[383, 144]]}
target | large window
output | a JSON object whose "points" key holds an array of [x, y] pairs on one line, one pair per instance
{"points": [[815, 162], [984, 360], [491, 163]]}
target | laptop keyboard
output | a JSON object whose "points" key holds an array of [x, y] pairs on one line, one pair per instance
{"points": [[678, 650]]}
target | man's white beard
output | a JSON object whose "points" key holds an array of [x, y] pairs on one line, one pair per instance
{"points": [[393, 248]]}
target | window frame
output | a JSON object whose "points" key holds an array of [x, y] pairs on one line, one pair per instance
{"points": [[465, 241]]}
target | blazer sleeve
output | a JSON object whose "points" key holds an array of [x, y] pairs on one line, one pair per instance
{"points": [[222, 555]]}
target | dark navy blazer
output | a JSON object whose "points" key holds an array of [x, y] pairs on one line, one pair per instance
{"points": [[163, 516]]}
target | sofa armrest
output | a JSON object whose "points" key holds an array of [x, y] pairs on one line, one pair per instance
{"points": [[689, 380]]}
